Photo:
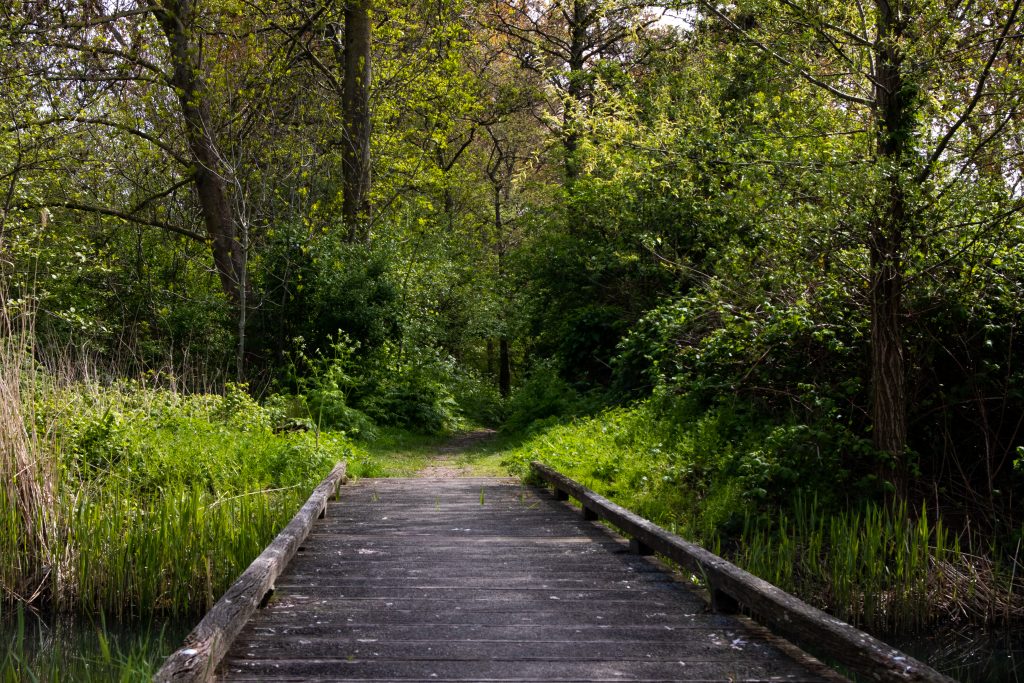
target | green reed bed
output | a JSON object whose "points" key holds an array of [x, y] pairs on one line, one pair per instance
{"points": [[888, 568], [150, 503], [883, 568], [172, 554]]}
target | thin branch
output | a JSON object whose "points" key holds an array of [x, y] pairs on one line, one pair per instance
{"points": [[98, 21], [160, 195], [978, 92], [100, 121], [863, 41], [120, 54], [806, 75], [103, 211]]}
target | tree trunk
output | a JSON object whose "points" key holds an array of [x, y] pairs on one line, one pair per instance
{"points": [[176, 19], [356, 111], [575, 91], [504, 368], [888, 237]]}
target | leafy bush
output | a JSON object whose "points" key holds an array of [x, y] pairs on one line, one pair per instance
{"points": [[478, 399], [543, 395], [413, 392]]}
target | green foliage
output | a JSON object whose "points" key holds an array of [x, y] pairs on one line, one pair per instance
{"points": [[543, 396], [413, 392], [324, 384], [316, 288], [479, 400]]}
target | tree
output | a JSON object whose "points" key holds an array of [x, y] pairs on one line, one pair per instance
{"points": [[903, 65], [563, 39], [356, 108], [178, 20]]}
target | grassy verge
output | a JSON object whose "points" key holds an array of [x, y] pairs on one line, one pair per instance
{"points": [[395, 452], [889, 569], [154, 500], [399, 453]]}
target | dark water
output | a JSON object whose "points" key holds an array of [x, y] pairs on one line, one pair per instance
{"points": [[970, 655], [33, 647]]}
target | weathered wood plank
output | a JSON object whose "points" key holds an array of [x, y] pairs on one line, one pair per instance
{"points": [[684, 629], [344, 669], [784, 613], [712, 646], [207, 644], [392, 586]]}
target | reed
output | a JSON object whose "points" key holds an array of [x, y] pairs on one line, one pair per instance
{"points": [[172, 555], [888, 569], [29, 521], [139, 501]]}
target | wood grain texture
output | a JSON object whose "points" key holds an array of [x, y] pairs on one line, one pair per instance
{"points": [[208, 642], [783, 613], [488, 580]]}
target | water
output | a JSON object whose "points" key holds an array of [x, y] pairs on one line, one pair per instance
{"points": [[36, 648], [970, 654]]}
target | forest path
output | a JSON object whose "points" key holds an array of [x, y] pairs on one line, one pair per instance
{"points": [[457, 457]]}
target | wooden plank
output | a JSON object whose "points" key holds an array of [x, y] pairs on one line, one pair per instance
{"points": [[712, 646], [567, 633], [784, 613], [207, 644], [344, 669], [392, 586]]}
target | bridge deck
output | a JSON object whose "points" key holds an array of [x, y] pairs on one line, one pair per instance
{"points": [[487, 580]]}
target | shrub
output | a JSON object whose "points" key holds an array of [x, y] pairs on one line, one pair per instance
{"points": [[543, 395]]}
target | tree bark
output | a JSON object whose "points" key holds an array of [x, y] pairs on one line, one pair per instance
{"points": [[504, 368], [356, 112], [177, 19], [575, 91], [888, 236]]}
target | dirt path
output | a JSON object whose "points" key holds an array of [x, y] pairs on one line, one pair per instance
{"points": [[445, 465]]}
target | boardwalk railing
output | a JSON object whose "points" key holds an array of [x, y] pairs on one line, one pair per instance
{"points": [[732, 587], [208, 642]]}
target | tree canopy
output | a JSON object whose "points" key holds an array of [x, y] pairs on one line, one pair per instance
{"points": [[807, 213]]}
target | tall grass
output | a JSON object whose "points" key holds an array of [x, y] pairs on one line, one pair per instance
{"points": [[29, 536], [877, 567], [171, 555], [130, 501]]}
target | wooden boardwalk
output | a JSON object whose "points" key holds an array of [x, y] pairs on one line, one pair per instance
{"points": [[488, 580]]}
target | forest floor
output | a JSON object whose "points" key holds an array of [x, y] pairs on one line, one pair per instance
{"points": [[474, 453], [469, 454]]}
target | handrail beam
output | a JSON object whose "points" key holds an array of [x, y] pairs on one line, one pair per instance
{"points": [[785, 614]]}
